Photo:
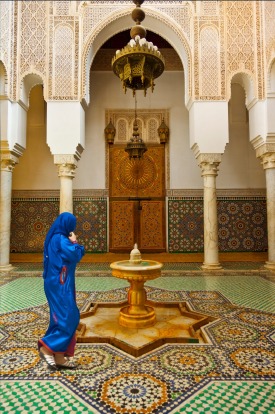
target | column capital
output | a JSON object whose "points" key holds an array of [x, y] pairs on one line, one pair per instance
{"points": [[8, 158], [66, 170], [266, 153], [209, 163], [66, 164]]}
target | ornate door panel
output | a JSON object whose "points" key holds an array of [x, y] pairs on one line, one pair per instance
{"points": [[122, 220], [152, 229], [137, 206]]}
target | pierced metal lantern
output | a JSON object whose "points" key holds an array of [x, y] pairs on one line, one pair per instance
{"points": [[136, 146], [139, 63], [110, 132]]}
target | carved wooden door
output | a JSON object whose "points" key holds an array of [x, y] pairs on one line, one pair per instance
{"points": [[137, 200]]}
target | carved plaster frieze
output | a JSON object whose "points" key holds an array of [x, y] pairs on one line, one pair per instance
{"points": [[217, 37], [55, 194], [66, 158], [149, 121], [66, 164], [221, 193]]}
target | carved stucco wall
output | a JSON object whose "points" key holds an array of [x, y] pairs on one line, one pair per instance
{"points": [[55, 40]]}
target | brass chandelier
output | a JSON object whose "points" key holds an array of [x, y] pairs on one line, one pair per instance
{"points": [[139, 63]]}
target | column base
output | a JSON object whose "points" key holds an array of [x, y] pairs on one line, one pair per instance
{"points": [[6, 268], [211, 266], [270, 266]]}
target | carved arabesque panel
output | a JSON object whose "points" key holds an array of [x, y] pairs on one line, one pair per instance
{"points": [[61, 7], [122, 219], [209, 63], [63, 61], [209, 8], [137, 177], [5, 33], [241, 49], [94, 14], [151, 225], [148, 122], [33, 36], [181, 13], [63, 58], [269, 9]]}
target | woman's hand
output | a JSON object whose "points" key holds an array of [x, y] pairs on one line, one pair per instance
{"points": [[72, 237]]}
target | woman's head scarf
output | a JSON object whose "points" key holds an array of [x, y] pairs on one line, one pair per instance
{"points": [[64, 224]]}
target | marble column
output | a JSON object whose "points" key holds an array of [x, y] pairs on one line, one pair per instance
{"points": [[268, 162], [66, 171], [209, 164], [8, 162]]}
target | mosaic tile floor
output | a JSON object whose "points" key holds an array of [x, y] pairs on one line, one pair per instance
{"points": [[235, 373]]}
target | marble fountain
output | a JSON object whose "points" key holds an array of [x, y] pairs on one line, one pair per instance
{"points": [[138, 325]]}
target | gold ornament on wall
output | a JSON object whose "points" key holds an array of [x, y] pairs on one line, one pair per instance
{"points": [[110, 133], [163, 132]]}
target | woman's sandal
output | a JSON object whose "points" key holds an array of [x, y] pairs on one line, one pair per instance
{"points": [[67, 365], [49, 359]]}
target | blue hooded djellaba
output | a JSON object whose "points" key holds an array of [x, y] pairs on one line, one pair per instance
{"points": [[60, 259]]}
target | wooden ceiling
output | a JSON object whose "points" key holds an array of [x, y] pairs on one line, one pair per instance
{"points": [[121, 39]]}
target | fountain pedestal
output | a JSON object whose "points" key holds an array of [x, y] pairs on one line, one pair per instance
{"points": [[137, 314]]}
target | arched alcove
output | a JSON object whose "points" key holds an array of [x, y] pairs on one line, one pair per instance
{"points": [[3, 80], [246, 81], [28, 81], [271, 78], [240, 169], [35, 170]]}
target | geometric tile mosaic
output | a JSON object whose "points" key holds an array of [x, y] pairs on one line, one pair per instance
{"points": [[242, 225], [31, 219], [39, 397], [218, 397], [233, 372]]}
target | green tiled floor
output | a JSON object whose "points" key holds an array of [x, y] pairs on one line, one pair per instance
{"points": [[40, 397], [251, 397], [250, 291], [229, 376]]}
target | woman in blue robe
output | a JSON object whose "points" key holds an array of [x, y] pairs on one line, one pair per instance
{"points": [[61, 255]]}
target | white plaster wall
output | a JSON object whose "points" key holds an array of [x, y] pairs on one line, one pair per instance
{"points": [[239, 167], [107, 92], [36, 170]]}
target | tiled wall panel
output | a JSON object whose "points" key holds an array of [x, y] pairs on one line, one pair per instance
{"points": [[242, 225], [31, 219]]}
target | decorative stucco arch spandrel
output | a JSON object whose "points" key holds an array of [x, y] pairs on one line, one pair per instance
{"points": [[119, 21]]}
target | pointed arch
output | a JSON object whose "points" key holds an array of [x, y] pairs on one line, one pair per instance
{"points": [[117, 22], [28, 81], [271, 76], [3, 80], [245, 79]]}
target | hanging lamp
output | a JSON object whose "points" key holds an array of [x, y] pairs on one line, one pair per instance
{"points": [[136, 146], [139, 63]]}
